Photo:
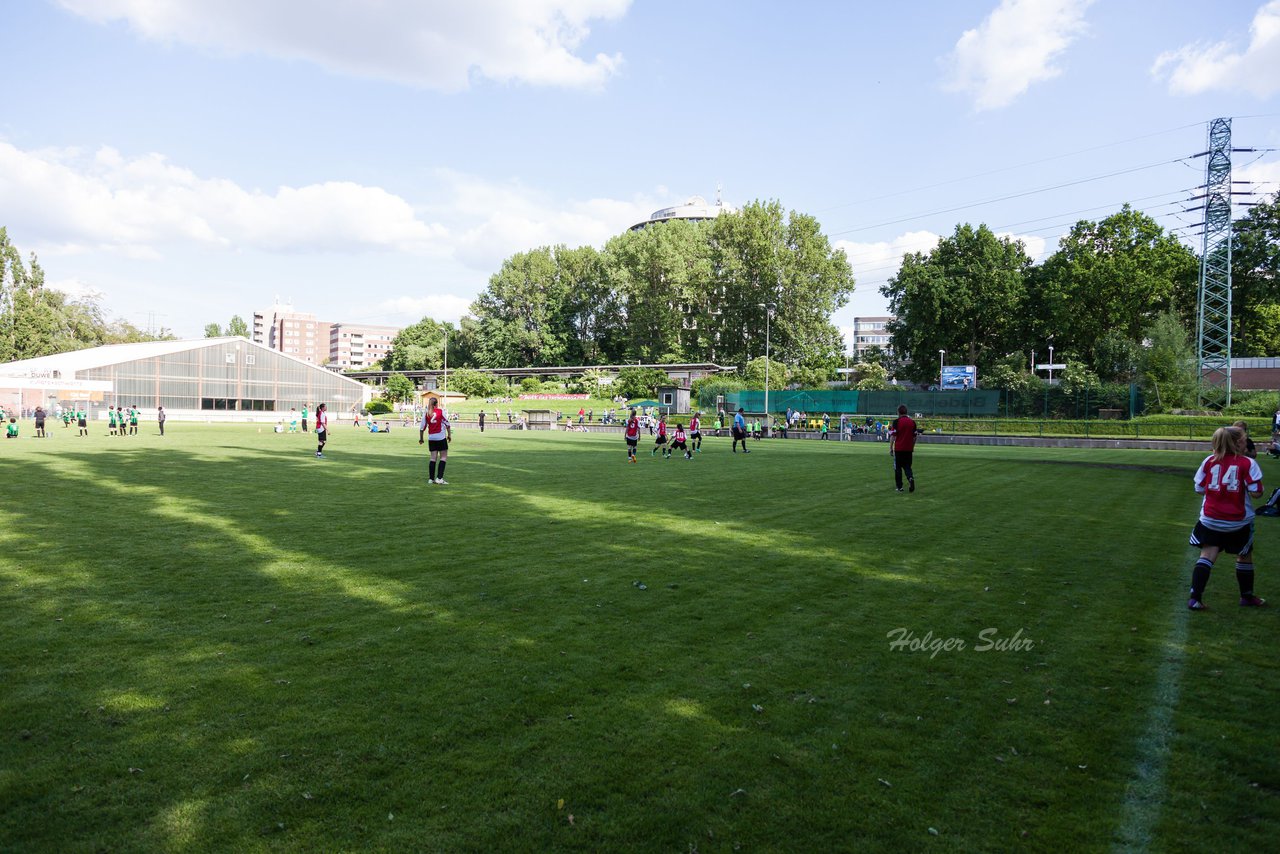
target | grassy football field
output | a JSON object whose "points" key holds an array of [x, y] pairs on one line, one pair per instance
{"points": [[215, 641]]}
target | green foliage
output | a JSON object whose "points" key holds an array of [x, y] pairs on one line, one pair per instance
{"points": [[475, 383], [238, 327], [1255, 280], [965, 296], [872, 376], [675, 291], [212, 330], [530, 385], [378, 406], [638, 382], [1010, 373], [1116, 356], [706, 389], [1167, 366], [399, 388], [754, 374], [1077, 377], [1116, 275], [420, 347]]}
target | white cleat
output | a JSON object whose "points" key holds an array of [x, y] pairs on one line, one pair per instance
{"points": [[442, 481]]}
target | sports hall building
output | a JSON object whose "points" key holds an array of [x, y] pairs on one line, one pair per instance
{"points": [[213, 379]]}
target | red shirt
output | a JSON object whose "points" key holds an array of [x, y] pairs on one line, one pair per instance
{"points": [[662, 428], [693, 425], [904, 433], [1225, 484], [679, 434], [322, 420], [435, 424], [633, 429]]}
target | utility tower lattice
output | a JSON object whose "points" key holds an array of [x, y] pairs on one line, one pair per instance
{"points": [[1214, 311]]}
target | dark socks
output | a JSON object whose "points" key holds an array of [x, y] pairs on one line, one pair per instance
{"points": [[440, 469], [1244, 577], [1200, 577], [431, 470]]}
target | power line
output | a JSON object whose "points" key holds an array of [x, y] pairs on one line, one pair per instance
{"points": [[1008, 197], [1007, 168]]}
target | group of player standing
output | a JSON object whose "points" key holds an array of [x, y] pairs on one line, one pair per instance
{"points": [[121, 421], [688, 444]]}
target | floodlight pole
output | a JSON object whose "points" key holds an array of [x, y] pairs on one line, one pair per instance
{"points": [[1050, 363], [768, 315], [942, 355]]}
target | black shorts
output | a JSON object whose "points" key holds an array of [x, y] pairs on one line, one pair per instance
{"points": [[437, 444], [631, 443], [902, 459], [739, 434], [678, 446], [322, 435], [696, 434], [1237, 542], [661, 440], [81, 423]]}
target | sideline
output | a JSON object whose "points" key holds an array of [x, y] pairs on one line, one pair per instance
{"points": [[1145, 795]]}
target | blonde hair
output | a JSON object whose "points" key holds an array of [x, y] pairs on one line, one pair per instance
{"points": [[1225, 441]]}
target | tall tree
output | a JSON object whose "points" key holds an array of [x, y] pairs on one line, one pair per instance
{"points": [[237, 327], [1118, 274], [417, 347], [761, 259], [964, 297], [212, 330], [1255, 279], [520, 313]]}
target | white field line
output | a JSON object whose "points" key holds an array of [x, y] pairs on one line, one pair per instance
{"points": [[1145, 794]]}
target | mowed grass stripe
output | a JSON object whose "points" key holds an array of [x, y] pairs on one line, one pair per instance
{"points": [[330, 654]]}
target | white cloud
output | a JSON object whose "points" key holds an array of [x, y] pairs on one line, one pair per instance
{"points": [[407, 309], [1013, 48], [436, 44], [73, 203], [76, 289], [508, 218], [1197, 68], [135, 206], [875, 262]]}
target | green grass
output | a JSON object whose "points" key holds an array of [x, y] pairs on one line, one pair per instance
{"points": [[303, 654]]}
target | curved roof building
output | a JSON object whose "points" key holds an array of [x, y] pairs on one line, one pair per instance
{"points": [[694, 209]]}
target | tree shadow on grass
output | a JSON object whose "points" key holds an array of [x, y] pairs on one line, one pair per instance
{"points": [[284, 656]]}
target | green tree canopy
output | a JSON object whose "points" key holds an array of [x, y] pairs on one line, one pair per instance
{"points": [[1118, 274], [964, 297], [399, 388], [1255, 279]]}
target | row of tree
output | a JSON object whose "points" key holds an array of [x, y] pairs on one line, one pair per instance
{"points": [[678, 291], [1112, 288], [38, 321]]}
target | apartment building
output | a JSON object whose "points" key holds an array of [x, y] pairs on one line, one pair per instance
{"points": [[359, 345]]}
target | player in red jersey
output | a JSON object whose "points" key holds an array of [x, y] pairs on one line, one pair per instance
{"points": [[631, 432], [322, 428], [438, 432], [660, 441], [1225, 479], [902, 438], [678, 443], [695, 433]]}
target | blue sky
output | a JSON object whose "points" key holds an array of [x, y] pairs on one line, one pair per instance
{"points": [[376, 161]]}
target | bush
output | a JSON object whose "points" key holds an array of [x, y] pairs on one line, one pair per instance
{"points": [[530, 385], [377, 406]]}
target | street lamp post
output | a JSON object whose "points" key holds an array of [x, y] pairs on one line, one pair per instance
{"points": [[942, 354], [768, 315], [1050, 364]]}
